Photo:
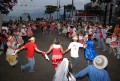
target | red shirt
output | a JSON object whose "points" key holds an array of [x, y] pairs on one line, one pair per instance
{"points": [[101, 35], [30, 49], [44, 25]]}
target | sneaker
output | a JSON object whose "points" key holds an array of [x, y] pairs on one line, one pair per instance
{"points": [[104, 49]]}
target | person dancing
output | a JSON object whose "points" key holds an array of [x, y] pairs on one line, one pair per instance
{"points": [[90, 53], [30, 46], [57, 51]]}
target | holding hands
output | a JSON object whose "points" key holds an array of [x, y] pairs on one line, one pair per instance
{"points": [[45, 55], [84, 45]]}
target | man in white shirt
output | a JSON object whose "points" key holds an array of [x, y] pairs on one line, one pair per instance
{"points": [[74, 47]]}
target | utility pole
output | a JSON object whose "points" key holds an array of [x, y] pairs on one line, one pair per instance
{"points": [[72, 7], [58, 8], [64, 15], [105, 14], [110, 14]]}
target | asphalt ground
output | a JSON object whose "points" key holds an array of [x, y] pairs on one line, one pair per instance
{"points": [[44, 70]]}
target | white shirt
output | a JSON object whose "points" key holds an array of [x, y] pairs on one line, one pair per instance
{"points": [[74, 46], [5, 28]]}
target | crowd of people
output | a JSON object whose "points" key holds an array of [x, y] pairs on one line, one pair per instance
{"points": [[19, 35]]}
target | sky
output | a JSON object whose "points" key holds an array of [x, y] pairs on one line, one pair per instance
{"points": [[37, 7]]}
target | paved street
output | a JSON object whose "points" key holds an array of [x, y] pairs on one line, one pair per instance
{"points": [[44, 69]]}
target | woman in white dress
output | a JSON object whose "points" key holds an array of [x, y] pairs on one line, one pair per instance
{"points": [[63, 72]]}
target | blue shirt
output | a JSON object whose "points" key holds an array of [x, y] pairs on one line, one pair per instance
{"points": [[94, 74]]}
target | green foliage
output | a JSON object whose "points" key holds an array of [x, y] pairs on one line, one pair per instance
{"points": [[51, 9], [6, 6], [94, 10], [69, 7], [102, 1]]}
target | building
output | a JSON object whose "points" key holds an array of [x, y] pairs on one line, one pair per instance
{"points": [[112, 12], [87, 17]]}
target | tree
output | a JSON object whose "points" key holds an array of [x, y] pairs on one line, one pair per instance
{"points": [[94, 10], [51, 9], [5, 7], [98, 11], [102, 1], [106, 2], [69, 8]]}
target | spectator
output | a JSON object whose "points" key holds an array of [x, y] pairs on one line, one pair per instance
{"points": [[113, 44]]}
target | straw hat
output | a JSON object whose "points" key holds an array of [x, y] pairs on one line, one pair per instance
{"points": [[32, 39], [75, 37], [100, 62]]}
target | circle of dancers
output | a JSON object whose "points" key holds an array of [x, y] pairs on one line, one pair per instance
{"points": [[19, 35]]}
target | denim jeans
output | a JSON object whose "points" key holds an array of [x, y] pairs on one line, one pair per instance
{"points": [[101, 41], [30, 64], [74, 62]]}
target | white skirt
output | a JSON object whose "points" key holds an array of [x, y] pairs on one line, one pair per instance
{"points": [[108, 40]]}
